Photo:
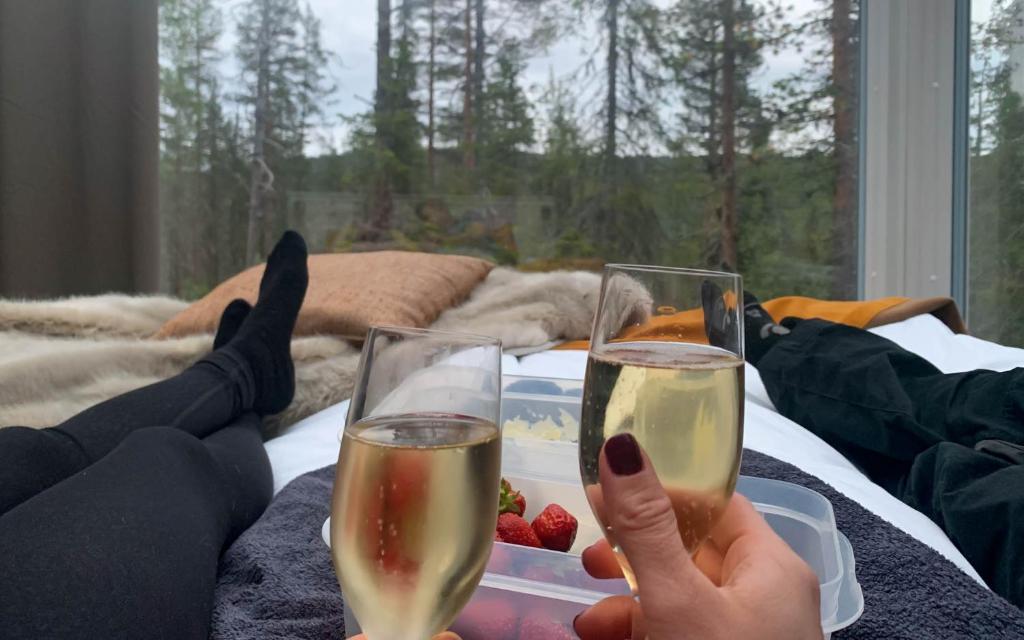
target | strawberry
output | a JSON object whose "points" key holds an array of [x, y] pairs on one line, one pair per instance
{"points": [[533, 628], [487, 618], [555, 527], [514, 529], [510, 501]]}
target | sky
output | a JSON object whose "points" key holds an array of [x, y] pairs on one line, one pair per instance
{"points": [[349, 33]]}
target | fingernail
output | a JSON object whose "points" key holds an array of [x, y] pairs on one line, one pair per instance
{"points": [[575, 619], [623, 454]]}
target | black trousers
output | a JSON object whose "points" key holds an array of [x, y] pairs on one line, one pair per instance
{"points": [[948, 445], [111, 524]]}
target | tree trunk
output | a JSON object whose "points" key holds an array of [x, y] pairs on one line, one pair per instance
{"points": [[729, 226], [611, 99], [383, 106], [468, 154], [979, 135], [381, 103], [216, 213], [479, 57], [844, 199], [431, 71], [261, 179]]}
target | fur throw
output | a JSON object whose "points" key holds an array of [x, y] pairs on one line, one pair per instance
{"points": [[60, 357], [534, 311], [46, 379]]}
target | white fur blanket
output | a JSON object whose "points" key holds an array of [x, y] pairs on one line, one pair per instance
{"points": [[60, 357]]}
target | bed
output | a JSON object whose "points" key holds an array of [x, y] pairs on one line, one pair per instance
{"points": [[313, 443]]}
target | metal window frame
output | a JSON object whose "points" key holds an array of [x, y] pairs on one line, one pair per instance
{"points": [[862, 127], [961, 156], [909, 146]]}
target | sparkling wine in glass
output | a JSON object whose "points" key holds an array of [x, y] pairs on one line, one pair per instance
{"points": [[416, 487], [666, 365]]}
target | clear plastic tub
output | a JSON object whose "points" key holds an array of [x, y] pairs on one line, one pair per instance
{"points": [[549, 588], [545, 409], [804, 519]]}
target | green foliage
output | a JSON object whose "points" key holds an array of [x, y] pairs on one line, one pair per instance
{"points": [[199, 152], [506, 128], [996, 252], [601, 166]]}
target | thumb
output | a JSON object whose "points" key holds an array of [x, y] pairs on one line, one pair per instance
{"points": [[447, 635], [645, 528]]}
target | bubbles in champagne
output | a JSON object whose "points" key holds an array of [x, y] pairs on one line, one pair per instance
{"points": [[684, 404]]}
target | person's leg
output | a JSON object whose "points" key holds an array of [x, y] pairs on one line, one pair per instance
{"points": [[978, 500], [250, 371], [948, 445], [129, 547], [879, 404]]}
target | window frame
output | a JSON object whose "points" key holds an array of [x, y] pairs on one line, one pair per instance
{"points": [[909, 148], [960, 268]]}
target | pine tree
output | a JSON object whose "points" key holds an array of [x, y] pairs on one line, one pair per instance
{"points": [[632, 77], [191, 127], [432, 73], [818, 104], [314, 86], [996, 286], [712, 48], [506, 126], [280, 55], [562, 169]]}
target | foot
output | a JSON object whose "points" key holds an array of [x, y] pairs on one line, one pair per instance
{"points": [[719, 324], [760, 330], [264, 337], [234, 315]]}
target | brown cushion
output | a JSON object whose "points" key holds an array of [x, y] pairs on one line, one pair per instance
{"points": [[349, 292]]}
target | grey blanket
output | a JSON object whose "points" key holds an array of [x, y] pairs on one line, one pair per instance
{"points": [[276, 581]]}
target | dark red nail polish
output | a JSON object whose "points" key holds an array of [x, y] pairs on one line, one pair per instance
{"points": [[623, 454], [575, 619]]}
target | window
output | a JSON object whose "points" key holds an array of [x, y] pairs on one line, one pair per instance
{"points": [[537, 133], [996, 197]]}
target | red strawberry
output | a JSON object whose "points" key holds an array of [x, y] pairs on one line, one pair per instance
{"points": [[511, 501], [533, 628], [555, 527], [487, 618], [514, 529]]}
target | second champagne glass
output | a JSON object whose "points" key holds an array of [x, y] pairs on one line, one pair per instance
{"points": [[416, 486], [666, 365]]}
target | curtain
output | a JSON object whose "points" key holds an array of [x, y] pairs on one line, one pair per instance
{"points": [[79, 147]]}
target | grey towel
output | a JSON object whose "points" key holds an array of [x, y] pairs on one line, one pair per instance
{"points": [[276, 581]]}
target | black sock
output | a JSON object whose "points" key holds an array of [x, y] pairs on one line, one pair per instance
{"points": [[719, 325], [234, 315], [264, 338], [759, 329]]}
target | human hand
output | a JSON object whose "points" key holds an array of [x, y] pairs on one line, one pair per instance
{"points": [[745, 582], [448, 635]]}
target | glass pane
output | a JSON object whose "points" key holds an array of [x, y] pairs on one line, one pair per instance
{"points": [[538, 133], [996, 250]]}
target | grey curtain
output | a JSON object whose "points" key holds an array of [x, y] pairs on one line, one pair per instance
{"points": [[79, 147]]}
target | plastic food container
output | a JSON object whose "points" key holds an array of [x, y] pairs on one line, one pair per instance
{"points": [[547, 589], [545, 409]]}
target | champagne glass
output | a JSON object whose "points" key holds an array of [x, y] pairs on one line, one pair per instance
{"points": [[416, 487], [666, 365]]}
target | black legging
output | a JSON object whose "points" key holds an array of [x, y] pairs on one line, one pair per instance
{"points": [[111, 524], [948, 445]]}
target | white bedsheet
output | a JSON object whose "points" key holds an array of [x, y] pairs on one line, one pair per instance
{"points": [[313, 443]]}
